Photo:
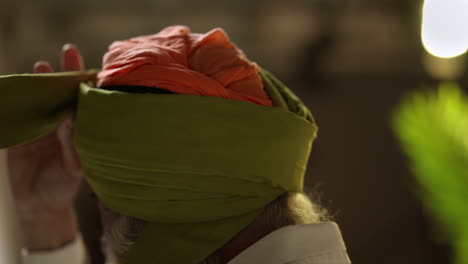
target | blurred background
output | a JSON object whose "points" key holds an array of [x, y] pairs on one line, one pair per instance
{"points": [[349, 60]]}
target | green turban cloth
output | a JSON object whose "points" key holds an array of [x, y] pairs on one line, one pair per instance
{"points": [[199, 169]]}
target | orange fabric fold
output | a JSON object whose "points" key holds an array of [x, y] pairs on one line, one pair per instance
{"points": [[186, 63]]}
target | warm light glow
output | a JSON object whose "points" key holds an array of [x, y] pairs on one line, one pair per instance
{"points": [[445, 27]]}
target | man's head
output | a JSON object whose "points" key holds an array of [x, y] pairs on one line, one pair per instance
{"points": [[198, 168], [202, 172]]}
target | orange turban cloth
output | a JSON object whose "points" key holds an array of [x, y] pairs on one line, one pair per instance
{"points": [[185, 63]]}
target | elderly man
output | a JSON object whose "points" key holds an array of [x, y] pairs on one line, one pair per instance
{"points": [[196, 155]]}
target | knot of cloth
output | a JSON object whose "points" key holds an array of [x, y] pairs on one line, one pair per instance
{"points": [[186, 63]]}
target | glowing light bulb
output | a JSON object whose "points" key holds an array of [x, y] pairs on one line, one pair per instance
{"points": [[445, 27]]}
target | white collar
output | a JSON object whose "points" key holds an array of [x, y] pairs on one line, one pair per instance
{"points": [[297, 242]]}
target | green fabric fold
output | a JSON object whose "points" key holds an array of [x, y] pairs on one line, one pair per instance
{"points": [[198, 169], [32, 104]]}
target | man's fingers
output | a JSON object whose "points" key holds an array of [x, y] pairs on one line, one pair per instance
{"points": [[42, 67], [70, 157], [71, 58]]}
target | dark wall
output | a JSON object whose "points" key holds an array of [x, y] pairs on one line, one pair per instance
{"points": [[362, 174]]}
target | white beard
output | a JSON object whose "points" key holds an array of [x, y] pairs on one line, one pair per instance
{"points": [[109, 254], [111, 259]]}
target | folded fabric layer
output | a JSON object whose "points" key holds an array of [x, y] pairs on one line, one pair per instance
{"points": [[31, 105], [184, 63], [179, 138]]}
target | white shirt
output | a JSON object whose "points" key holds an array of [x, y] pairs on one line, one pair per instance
{"points": [[73, 253], [299, 244]]}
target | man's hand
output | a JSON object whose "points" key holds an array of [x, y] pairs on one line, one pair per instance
{"points": [[45, 176]]}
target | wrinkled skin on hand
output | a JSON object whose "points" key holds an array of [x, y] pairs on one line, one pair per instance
{"points": [[45, 175]]}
